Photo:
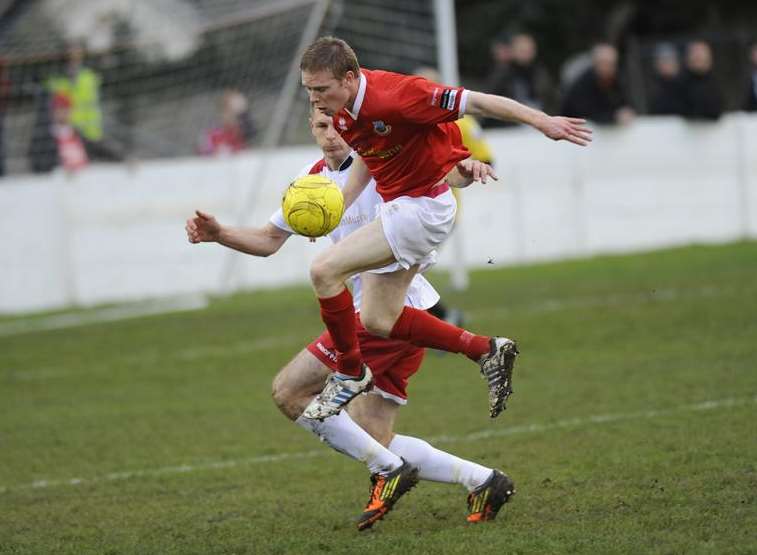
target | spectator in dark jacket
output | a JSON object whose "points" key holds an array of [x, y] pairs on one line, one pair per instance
{"points": [[499, 74], [751, 98], [597, 94], [530, 83], [5, 87], [518, 74], [668, 96], [704, 99]]}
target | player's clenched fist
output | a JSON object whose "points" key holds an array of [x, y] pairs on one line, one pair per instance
{"points": [[202, 228]]}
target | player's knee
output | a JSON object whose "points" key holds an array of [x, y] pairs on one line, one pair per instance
{"points": [[283, 396], [376, 324], [321, 274]]}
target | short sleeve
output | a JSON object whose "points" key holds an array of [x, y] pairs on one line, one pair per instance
{"points": [[425, 102], [277, 219]]}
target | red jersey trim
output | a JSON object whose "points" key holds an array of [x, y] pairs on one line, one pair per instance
{"points": [[318, 167]]}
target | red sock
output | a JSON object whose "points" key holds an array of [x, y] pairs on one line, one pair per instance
{"points": [[424, 330], [338, 313]]}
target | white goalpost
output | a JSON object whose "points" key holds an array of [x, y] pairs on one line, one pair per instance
{"points": [[446, 34]]}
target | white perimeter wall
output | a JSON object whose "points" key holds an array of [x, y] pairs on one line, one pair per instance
{"points": [[116, 232]]}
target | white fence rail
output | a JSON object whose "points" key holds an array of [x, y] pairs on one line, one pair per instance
{"points": [[116, 232]]}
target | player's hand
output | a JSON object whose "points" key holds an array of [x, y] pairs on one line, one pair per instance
{"points": [[475, 170], [559, 128], [202, 228]]}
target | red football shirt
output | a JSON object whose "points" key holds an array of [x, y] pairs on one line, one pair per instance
{"points": [[403, 128]]}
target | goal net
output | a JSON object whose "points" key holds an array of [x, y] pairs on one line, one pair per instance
{"points": [[165, 69], [162, 78]]}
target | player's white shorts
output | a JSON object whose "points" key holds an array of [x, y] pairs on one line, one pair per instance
{"points": [[416, 226]]}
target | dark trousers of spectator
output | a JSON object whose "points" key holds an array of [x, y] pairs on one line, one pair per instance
{"points": [[2, 145], [100, 151]]}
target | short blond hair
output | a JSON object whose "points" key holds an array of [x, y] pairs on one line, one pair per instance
{"points": [[330, 53]]}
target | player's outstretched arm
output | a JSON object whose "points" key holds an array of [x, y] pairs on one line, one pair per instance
{"points": [[557, 128], [357, 180], [469, 170], [257, 241]]}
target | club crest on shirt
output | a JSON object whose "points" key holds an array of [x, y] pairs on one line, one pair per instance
{"points": [[381, 128]]}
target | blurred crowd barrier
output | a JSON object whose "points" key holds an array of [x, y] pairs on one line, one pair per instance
{"points": [[116, 232]]}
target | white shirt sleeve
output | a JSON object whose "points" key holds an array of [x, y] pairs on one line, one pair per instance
{"points": [[277, 219], [463, 103]]}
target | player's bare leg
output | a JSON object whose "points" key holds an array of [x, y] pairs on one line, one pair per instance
{"points": [[383, 313], [364, 249], [383, 299], [391, 477], [295, 386], [298, 382], [376, 415]]}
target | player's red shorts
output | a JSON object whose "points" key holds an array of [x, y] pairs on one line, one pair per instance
{"points": [[391, 361]]}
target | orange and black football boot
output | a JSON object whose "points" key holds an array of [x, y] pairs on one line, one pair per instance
{"points": [[385, 492], [486, 500]]}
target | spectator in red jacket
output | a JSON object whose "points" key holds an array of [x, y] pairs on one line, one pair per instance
{"points": [[236, 131], [72, 155]]}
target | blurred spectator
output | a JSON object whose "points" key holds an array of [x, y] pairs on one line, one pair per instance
{"points": [[597, 94], [82, 87], [530, 83], [5, 86], [751, 99], [499, 73], [703, 97], [668, 95], [43, 150], [70, 147], [236, 131]]}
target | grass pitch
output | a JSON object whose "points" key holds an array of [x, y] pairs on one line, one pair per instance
{"points": [[633, 428]]}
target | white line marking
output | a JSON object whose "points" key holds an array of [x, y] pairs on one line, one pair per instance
{"points": [[619, 299], [110, 314], [475, 436], [154, 358], [198, 302], [242, 348]]}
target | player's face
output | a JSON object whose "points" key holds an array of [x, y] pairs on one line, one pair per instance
{"points": [[332, 145], [327, 93]]}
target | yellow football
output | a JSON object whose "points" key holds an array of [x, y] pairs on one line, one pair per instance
{"points": [[313, 205]]}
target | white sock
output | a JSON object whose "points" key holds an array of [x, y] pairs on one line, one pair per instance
{"points": [[439, 466], [342, 434]]}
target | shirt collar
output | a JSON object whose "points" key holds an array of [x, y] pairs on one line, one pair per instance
{"points": [[359, 98], [347, 162]]}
